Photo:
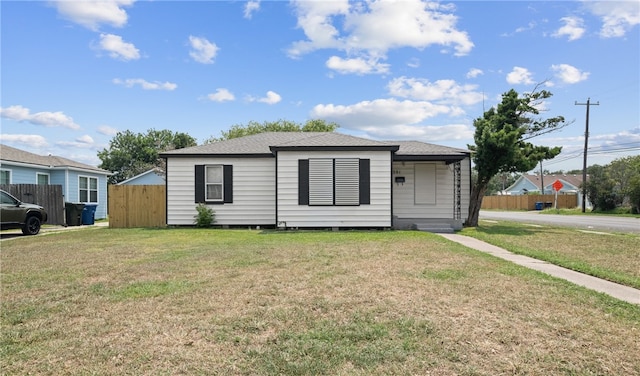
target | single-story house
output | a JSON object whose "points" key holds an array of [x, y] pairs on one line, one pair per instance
{"points": [[81, 183], [149, 177], [319, 180], [532, 183]]}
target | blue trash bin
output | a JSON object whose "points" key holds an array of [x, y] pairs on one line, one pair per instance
{"points": [[89, 214], [539, 205]]}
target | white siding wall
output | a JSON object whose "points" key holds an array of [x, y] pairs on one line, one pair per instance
{"points": [[404, 204], [376, 214], [253, 191]]}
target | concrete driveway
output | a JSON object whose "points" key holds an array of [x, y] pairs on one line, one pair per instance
{"points": [[583, 222]]}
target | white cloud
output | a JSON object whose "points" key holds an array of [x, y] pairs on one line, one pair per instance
{"points": [[474, 72], [413, 63], [82, 142], [271, 98], [117, 48], [314, 18], [618, 17], [28, 140], [91, 14], [146, 85], [250, 7], [569, 74], [221, 95], [441, 91], [370, 29], [530, 26], [379, 113], [573, 28], [519, 75], [358, 66], [202, 51], [47, 119], [107, 130], [427, 133], [393, 119]]}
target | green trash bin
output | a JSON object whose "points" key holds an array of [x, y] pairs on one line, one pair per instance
{"points": [[73, 213]]}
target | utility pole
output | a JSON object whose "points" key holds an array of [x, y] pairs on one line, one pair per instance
{"points": [[586, 144], [541, 179]]}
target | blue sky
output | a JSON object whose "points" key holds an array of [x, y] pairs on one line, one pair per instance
{"points": [[73, 73]]}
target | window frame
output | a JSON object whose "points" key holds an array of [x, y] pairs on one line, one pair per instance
{"points": [[9, 173], [48, 176], [200, 184], [88, 189], [207, 183]]}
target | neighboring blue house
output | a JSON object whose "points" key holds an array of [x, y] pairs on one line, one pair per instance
{"points": [[532, 183], [151, 177], [80, 182]]}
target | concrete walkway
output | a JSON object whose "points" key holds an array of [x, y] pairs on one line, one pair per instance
{"points": [[628, 294]]}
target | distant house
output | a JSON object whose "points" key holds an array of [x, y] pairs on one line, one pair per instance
{"points": [[532, 183], [80, 182], [150, 177], [319, 180]]}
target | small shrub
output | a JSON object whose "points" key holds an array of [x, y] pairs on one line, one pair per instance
{"points": [[205, 217]]}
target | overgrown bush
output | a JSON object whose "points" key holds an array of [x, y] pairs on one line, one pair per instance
{"points": [[615, 185], [206, 217]]}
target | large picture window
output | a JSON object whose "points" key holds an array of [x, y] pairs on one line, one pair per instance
{"points": [[333, 182], [88, 189]]}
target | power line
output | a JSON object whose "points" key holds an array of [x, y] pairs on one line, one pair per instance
{"points": [[596, 150]]}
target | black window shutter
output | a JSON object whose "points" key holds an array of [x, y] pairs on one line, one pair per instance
{"points": [[228, 184], [365, 182], [199, 188], [303, 182]]}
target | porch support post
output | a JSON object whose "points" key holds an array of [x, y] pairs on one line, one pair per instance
{"points": [[457, 190]]}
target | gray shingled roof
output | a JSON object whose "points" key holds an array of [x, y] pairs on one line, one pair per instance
{"points": [[254, 144], [423, 148], [325, 139], [573, 179], [261, 144], [10, 154]]}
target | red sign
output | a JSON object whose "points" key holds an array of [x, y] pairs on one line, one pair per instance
{"points": [[557, 185]]}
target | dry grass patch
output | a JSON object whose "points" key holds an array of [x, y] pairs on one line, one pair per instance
{"points": [[610, 256], [186, 301]]}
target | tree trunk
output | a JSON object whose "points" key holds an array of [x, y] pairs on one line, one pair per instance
{"points": [[477, 194]]}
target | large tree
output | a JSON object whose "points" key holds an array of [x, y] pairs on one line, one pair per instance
{"points": [[130, 154], [253, 127], [501, 144]]}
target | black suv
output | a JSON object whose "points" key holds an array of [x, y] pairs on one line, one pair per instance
{"points": [[17, 214]]}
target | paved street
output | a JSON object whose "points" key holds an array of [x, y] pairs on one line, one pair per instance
{"points": [[584, 222]]}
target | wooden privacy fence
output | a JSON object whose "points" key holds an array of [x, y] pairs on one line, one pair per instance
{"points": [[137, 206], [528, 202], [48, 196]]}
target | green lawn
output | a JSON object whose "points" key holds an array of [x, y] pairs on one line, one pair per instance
{"points": [[611, 256], [239, 302]]}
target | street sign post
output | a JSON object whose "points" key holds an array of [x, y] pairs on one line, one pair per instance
{"points": [[557, 185]]}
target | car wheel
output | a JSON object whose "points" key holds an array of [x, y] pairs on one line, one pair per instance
{"points": [[31, 226]]}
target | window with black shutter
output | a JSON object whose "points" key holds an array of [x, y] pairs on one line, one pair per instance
{"points": [[214, 184], [333, 182]]}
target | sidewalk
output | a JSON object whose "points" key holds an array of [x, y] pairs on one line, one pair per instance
{"points": [[628, 294]]}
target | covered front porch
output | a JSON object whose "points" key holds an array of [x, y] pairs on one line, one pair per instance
{"points": [[430, 195]]}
